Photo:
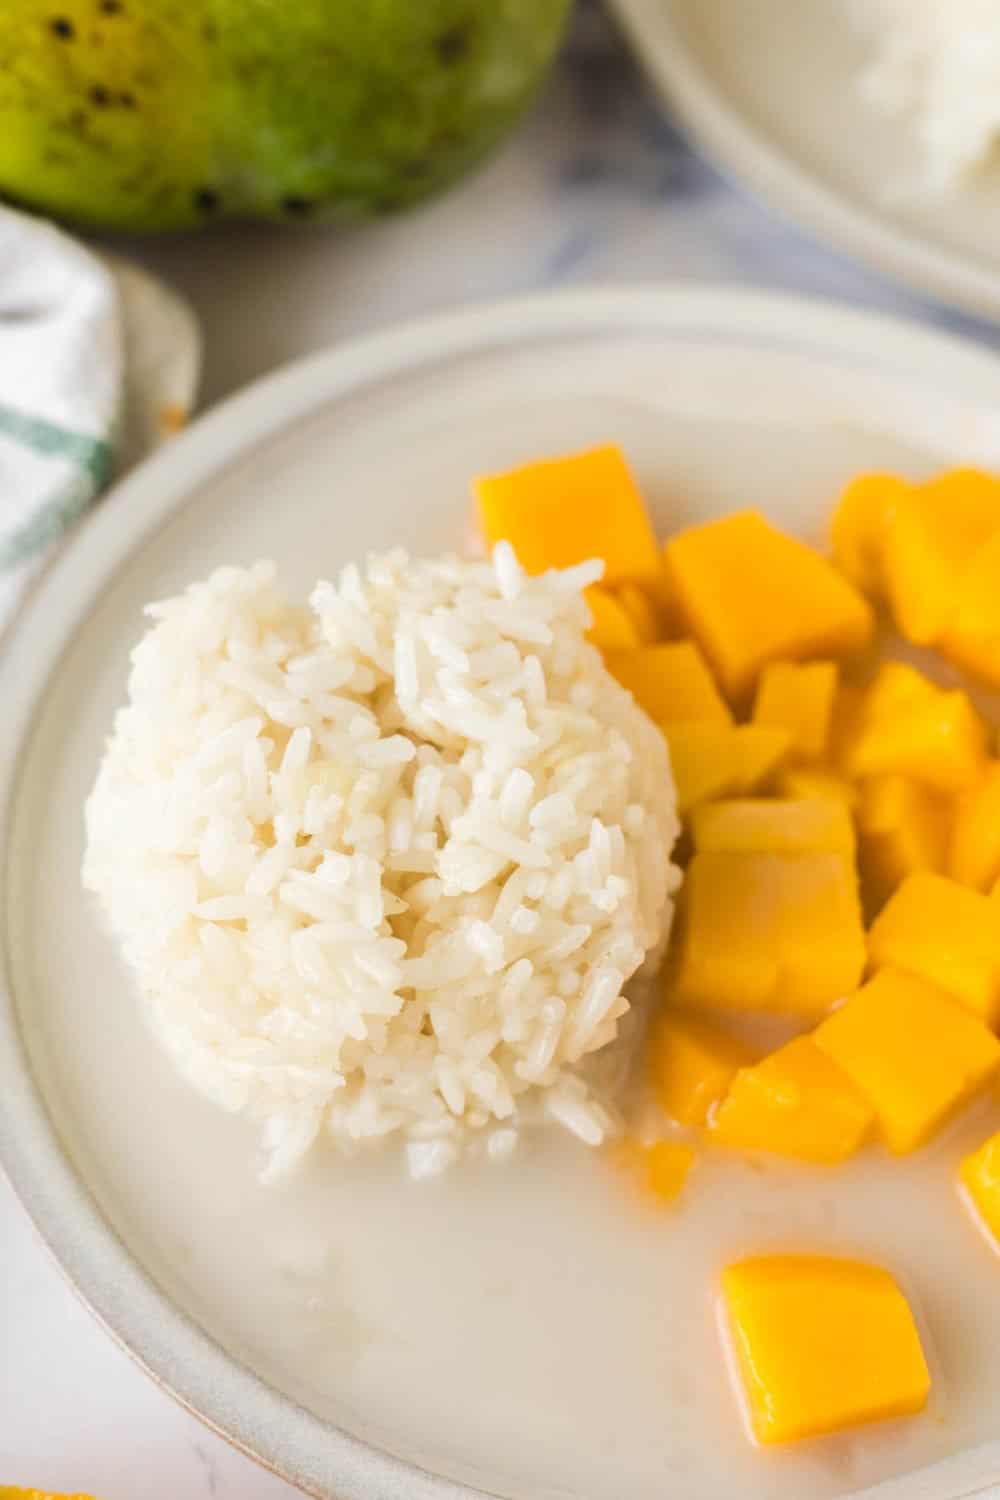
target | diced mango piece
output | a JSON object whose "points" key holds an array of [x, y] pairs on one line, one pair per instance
{"points": [[612, 628], [639, 605], [667, 1166], [896, 686], [860, 522], [769, 932], [710, 760], [661, 1168], [979, 1174], [811, 784], [562, 511], [939, 741], [944, 933], [799, 698], [691, 1064], [672, 683], [758, 825], [759, 751], [821, 1344], [934, 532], [751, 595], [917, 1055], [903, 828], [971, 636], [974, 854], [796, 1102]]}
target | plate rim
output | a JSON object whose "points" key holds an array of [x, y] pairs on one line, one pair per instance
{"points": [[163, 1340], [750, 158]]}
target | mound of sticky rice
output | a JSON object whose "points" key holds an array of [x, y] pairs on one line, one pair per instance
{"points": [[383, 865], [936, 64]]}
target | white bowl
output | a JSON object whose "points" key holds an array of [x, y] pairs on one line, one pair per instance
{"points": [[719, 398], [771, 90]]}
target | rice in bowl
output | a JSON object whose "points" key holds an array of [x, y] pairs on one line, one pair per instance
{"points": [[935, 64], [383, 865]]}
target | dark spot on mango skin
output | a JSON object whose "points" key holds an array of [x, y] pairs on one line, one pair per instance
{"points": [[359, 142], [452, 45]]}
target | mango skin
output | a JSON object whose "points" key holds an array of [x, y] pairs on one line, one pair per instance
{"points": [[150, 115]]}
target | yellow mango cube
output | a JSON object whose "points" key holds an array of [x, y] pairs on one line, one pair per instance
{"points": [[562, 511], [799, 697], [691, 1065], [939, 741], [796, 1102], [714, 760], [758, 751], [812, 784], [946, 934], [912, 1051], [671, 683], [611, 626], [668, 1164], [780, 933], [757, 825], [896, 686], [821, 1344], [934, 532], [974, 852], [903, 828], [979, 1175], [662, 1169], [860, 521], [640, 606], [971, 637], [751, 595]]}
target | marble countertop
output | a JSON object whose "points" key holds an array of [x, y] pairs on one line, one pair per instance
{"points": [[597, 187]]}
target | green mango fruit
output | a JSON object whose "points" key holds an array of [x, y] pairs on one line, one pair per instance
{"points": [[162, 114]]}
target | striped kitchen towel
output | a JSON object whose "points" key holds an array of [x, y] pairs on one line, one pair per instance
{"points": [[98, 364]]}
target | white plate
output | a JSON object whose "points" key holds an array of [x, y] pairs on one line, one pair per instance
{"points": [[380, 1295], [770, 89]]}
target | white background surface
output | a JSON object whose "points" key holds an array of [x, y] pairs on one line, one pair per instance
{"points": [[596, 187]]}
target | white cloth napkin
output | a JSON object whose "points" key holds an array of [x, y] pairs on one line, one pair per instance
{"points": [[98, 364]]}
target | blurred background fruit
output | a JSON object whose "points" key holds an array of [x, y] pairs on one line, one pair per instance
{"points": [[146, 114]]}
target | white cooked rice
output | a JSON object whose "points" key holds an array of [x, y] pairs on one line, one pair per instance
{"points": [[936, 63], [383, 866]]}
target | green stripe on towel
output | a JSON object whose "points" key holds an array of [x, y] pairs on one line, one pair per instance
{"points": [[90, 457], [91, 454]]}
